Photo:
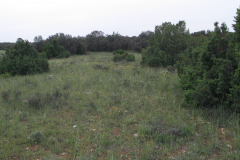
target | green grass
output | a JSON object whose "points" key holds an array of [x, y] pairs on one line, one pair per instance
{"points": [[89, 107]]}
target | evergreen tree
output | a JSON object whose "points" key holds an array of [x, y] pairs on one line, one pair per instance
{"points": [[207, 71], [167, 42], [236, 27], [23, 59]]}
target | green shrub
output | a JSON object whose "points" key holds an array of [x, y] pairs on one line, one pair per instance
{"points": [[81, 49], [122, 57], [210, 73], [23, 59], [153, 60], [120, 52], [55, 50], [43, 55], [130, 58], [64, 54], [6, 75], [168, 41]]}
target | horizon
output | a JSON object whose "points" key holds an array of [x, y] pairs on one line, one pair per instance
{"points": [[26, 19]]}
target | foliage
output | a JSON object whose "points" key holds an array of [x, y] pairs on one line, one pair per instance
{"points": [[65, 40], [38, 43], [141, 42], [55, 50], [6, 45], [120, 52], [125, 56], [22, 59], [167, 42], [43, 55], [96, 41], [236, 27], [201, 33], [6, 75], [207, 72], [81, 49]]}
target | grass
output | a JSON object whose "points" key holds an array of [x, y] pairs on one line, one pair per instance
{"points": [[89, 107]]}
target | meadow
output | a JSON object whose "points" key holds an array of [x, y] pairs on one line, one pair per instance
{"points": [[89, 107]]}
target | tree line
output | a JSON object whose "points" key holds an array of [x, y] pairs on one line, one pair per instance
{"points": [[97, 41], [6, 45]]}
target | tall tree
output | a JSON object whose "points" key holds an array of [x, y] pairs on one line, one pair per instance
{"points": [[168, 41], [38, 43], [236, 27]]}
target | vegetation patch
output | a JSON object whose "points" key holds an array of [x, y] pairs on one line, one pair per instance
{"points": [[54, 50], [121, 55], [22, 59]]}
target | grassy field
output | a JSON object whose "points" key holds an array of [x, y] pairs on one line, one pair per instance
{"points": [[88, 107]]}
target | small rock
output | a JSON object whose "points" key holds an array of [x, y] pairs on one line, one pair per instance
{"points": [[64, 154], [74, 126], [135, 135], [229, 146]]}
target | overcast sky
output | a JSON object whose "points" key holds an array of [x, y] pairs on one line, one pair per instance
{"points": [[29, 18]]}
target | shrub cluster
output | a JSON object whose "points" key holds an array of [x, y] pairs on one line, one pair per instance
{"points": [[54, 50], [22, 59], [208, 66], [209, 80], [121, 55], [81, 49]]}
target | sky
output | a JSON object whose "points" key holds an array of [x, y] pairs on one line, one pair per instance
{"points": [[29, 18]]}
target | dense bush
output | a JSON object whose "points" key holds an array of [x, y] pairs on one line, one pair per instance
{"points": [[141, 42], [125, 56], [55, 50], [167, 42], [210, 73], [81, 49], [22, 59], [120, 52]]}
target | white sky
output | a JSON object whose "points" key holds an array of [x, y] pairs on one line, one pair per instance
{"points": [[29, 18]]}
